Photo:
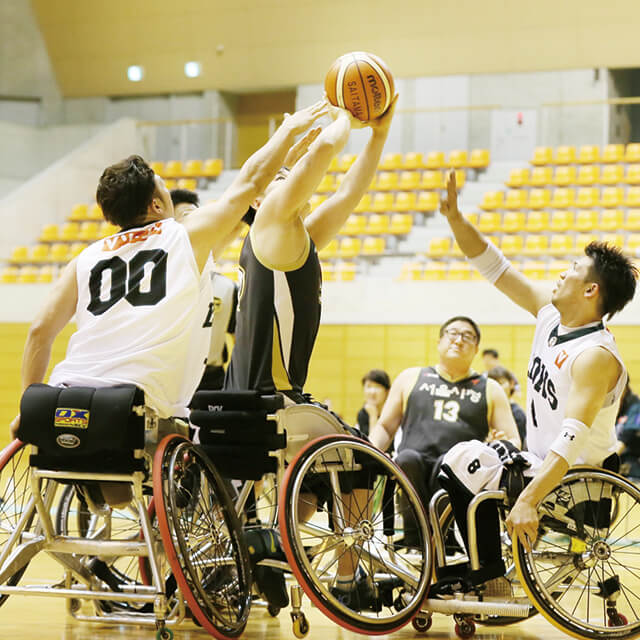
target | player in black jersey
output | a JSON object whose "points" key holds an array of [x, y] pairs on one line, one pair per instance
{"points": [[440, 406]]}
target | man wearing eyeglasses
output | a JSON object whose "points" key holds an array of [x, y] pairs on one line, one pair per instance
{"points": [[440, 406]]}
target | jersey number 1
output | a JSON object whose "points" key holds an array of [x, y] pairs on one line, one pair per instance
{"points": [[126, 280]]}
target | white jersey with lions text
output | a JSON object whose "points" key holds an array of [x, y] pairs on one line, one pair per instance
{"points": [[142, 304], [554, 351]]}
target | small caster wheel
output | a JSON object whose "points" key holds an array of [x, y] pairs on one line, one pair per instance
{"points": [[74, 605], [618, 620], [273, 611], [465, 629], [164, 634], [422, 623], [300, 626]]}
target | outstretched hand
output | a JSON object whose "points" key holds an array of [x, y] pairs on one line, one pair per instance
{"points": [[449, 205], [381, 125], [301, 120], [301, 147]]}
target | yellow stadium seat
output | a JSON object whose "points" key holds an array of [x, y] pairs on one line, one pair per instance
{"points": [[472, 218], [346, 271], [173, 169], [516, 199], [586, 220], [587, 197], [401, 223], [539, 198], [28, 275], [212, 167], [328, 183], [435, 160], [387, 181], [60, 252], [588, 175], [492, 200], [563, 198], [79, 212], [565, 154], [428, 201], [409, 181], [373, 183], [439, 247], [373, 246], [633, 197], [19, 254], [633, 174], [633, 244], [589, 154], [537, 221], [39, 253], [561, 220], [542, 156], [513, 221], [557, 267], [89, 231], [405, 201], [333, 168], [76, 249], [434, 270], [612, 197], [413, 160], [193, 169], [45, 275], [612, 174], [170, 183], [615, 239], [632, 152], [518, 178], [632, 223], [355, 225], [391, 162], [479, 159], [49, 233], [561, 244], [188, 183], [583, 239], [412, 271], [350, 247], [317, 200], [612, 154], [9, 275], [378, 223], [536, 244], [95, 212], [432, 180], [330, 250], [489, 221], [345, 161], [611, 220], [459, 270], [534, 270], [364, 204], [382, 202], [541, 177], [107, 229], [457, 159], [328, 272], [456, 252], [511, 245], [564, 176], [157, 167], [461, 178]]}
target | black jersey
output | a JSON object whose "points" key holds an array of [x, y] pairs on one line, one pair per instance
{"points": [[277, 321], [440, 413]]}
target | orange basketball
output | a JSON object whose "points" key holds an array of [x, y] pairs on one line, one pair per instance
{"points": [[361, 83]]}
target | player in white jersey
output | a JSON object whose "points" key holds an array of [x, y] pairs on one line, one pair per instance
{"points": [[576, 376]]}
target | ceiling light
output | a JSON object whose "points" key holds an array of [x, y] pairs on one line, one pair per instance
{"points": [[135, 73], [192, 69]]}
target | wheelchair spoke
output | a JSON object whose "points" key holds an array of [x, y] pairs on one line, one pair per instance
{"points": [[624, 590]]}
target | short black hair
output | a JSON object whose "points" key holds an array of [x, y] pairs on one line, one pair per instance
{"points": [[491, 352], [125, 191], [501, 373], [379, 377], [184, 196], [615, 274], [476, 328]]}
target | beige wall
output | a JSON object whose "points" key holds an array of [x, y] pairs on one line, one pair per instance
{"points": [[268, 44]]}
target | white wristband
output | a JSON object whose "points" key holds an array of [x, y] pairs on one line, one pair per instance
{"points": [[571, 440], [491, 263]]}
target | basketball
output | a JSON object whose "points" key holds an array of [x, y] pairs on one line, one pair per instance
{"points": [[361, 83]]}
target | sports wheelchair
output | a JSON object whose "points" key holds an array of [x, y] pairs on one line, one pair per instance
{"points": [[581, 573], [175, 550], [334, 499]]}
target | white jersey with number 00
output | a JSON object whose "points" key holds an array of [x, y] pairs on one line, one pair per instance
{"points": [[142, 304]]}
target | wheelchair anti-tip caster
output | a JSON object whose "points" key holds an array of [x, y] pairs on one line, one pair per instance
{"points": [[422, 623], [465, 627], [164, 634], [273, 611], [300, 625]]}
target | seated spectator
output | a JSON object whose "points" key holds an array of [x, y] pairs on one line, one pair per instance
{"points": [[509, 383], [375, 388], [490, 359]]}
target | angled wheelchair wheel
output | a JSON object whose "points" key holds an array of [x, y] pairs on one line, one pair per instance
{"points": [[15, 495], [353, 492], [583, 573], [202, 537]]}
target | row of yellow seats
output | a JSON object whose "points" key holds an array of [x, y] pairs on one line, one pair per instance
{"points": [[28, 275], [74, 231], [391, 181], [563, 176], [340, 272], [377, 224], [210, 168], [457, 159], [588, 154], [562, 198], [560, 220], [350, 247], [538, 244], [59, 252], [386, 202]]}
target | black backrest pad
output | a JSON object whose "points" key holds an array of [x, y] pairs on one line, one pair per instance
{"points": [[79, 421], [236, 401]]}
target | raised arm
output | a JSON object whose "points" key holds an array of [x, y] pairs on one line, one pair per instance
{"points": [[488, 260], [325, 222], [213, 225]]}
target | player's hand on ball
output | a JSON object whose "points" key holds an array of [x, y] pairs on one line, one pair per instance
{"points": [[523, 521], [381, 125], [449, 204], [301, 120]]}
